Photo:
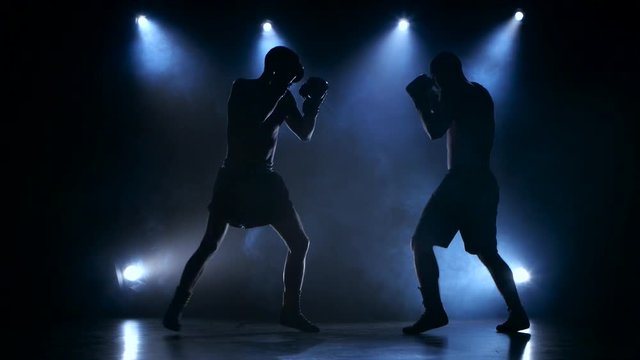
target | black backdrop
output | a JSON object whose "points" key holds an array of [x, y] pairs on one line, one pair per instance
{"points": [[78, 152]]}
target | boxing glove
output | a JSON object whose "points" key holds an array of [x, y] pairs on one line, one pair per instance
{"points": [[314, 88], [420, 85]]}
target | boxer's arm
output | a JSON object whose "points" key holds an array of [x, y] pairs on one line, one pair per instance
{"points": [[302, 124]]}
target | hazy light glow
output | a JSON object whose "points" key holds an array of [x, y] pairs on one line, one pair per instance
{"points": [[377, 76], [266, 26], [521, 275], [163, 59], [142, 21], [133, 272], [267, 40], [155, 52], [519, 15], [492, 64], [403, 24]]}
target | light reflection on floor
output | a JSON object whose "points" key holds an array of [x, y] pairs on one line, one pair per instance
{"points": [[140, 339]]}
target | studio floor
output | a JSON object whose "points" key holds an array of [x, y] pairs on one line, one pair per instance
{"points": [[141, 339]]}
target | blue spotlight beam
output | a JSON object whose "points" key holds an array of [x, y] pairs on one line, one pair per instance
{"points": [[492, 64], [153, 49], [163, 59], [268, 39]]}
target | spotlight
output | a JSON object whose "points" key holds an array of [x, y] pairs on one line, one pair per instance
{"points": [[519, 15], [133, 272], [403, 24], [521, 275], [266, 26], [131, 277], [142, 20]]}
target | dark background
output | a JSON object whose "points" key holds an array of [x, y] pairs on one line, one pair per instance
{"points": [[109, 168]]}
